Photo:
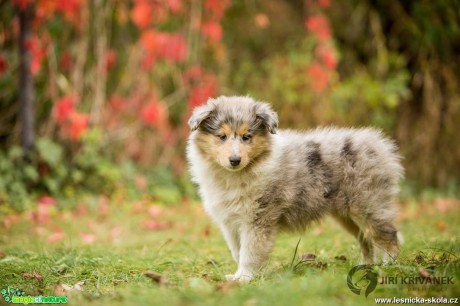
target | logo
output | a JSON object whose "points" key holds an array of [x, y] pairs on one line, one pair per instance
{"points": [[362, 278], [17, 296]]}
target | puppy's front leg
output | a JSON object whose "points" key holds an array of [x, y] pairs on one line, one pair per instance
{"points": [[256, 244], [232, 237]]}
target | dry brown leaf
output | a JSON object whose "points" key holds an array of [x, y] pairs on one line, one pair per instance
{"points": [[445, 205], [157, 278], [321, 265], [424, 273], [441, 226], [419, 258], [34, 275], [226, 286], [308, 257], [78, 286], [59, 290], [118, 281]]}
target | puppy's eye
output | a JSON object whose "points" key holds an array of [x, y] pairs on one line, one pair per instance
{"points": [[222, 137], [246, 137]]}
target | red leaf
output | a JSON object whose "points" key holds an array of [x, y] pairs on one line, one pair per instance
{"points": [[88, 238], [319, 77], [110, 59], [45, 9], [37, 52], [166, 45], [46, 200], [148, 41], [193, 73], [327, 56], [63, 108], [262, 21], [56, 236], [212, 30], [117, 103], [142, 14], [217, 7], [140, 181], [148, 61], [203, 91], [69, 8], [78, 124], [155, 211], [65, 62], [154, 114], [22, 4], [324, 3], [154, 225], [175, 5], [172, 47], [319, 25], [3, 64]]}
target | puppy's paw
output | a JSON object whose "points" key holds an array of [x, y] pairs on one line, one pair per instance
{"points": [[240, 277]]}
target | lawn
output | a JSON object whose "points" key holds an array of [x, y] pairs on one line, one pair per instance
{"points": [[119, 252]]}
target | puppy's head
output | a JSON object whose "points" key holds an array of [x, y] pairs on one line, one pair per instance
{"points": [[234, 132]]}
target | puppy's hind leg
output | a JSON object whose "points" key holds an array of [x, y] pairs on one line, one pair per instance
{"points": [[256, 244], [367, 249]]}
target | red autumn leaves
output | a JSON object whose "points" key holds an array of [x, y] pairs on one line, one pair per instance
{"points": [[72, 123], [325, 60]]}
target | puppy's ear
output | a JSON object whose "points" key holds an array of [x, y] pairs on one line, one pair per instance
{"points": [[268, 116], [200, 114]]}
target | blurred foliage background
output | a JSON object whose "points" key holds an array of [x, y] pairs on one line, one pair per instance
{"points": [[115, 81]]}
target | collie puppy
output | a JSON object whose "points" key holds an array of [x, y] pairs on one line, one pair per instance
{"points": [[256, 180]]}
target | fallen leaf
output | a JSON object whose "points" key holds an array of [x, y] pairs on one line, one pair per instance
{"points": [[157, 278], [118, 281], [116, 232], [154, 225], [88, 238], [34, 275], [79, 285], [63, 289], [103, 208], [424, 273], [56, 236], [418, 258], [46, 200], [444, 205], [318, 231], [206, 231], [226, 286], [212, 262], [59, 290], [441, 226], [308, 257], [155, 210], [321, 265]]}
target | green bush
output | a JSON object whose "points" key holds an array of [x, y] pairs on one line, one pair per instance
{"points": [[55, 169]]}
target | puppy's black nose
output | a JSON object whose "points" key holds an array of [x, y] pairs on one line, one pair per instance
{"points": [[235, 160]]}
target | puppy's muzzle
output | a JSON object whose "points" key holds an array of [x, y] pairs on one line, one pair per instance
{"points": [[235, 160]]}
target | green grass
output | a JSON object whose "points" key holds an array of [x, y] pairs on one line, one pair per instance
{"points": [[191, 257]]}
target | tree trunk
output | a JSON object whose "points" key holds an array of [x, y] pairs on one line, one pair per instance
{"points": [[26, 86]]}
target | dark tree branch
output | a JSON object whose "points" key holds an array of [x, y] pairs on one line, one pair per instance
{"points": [[26, 86]]}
